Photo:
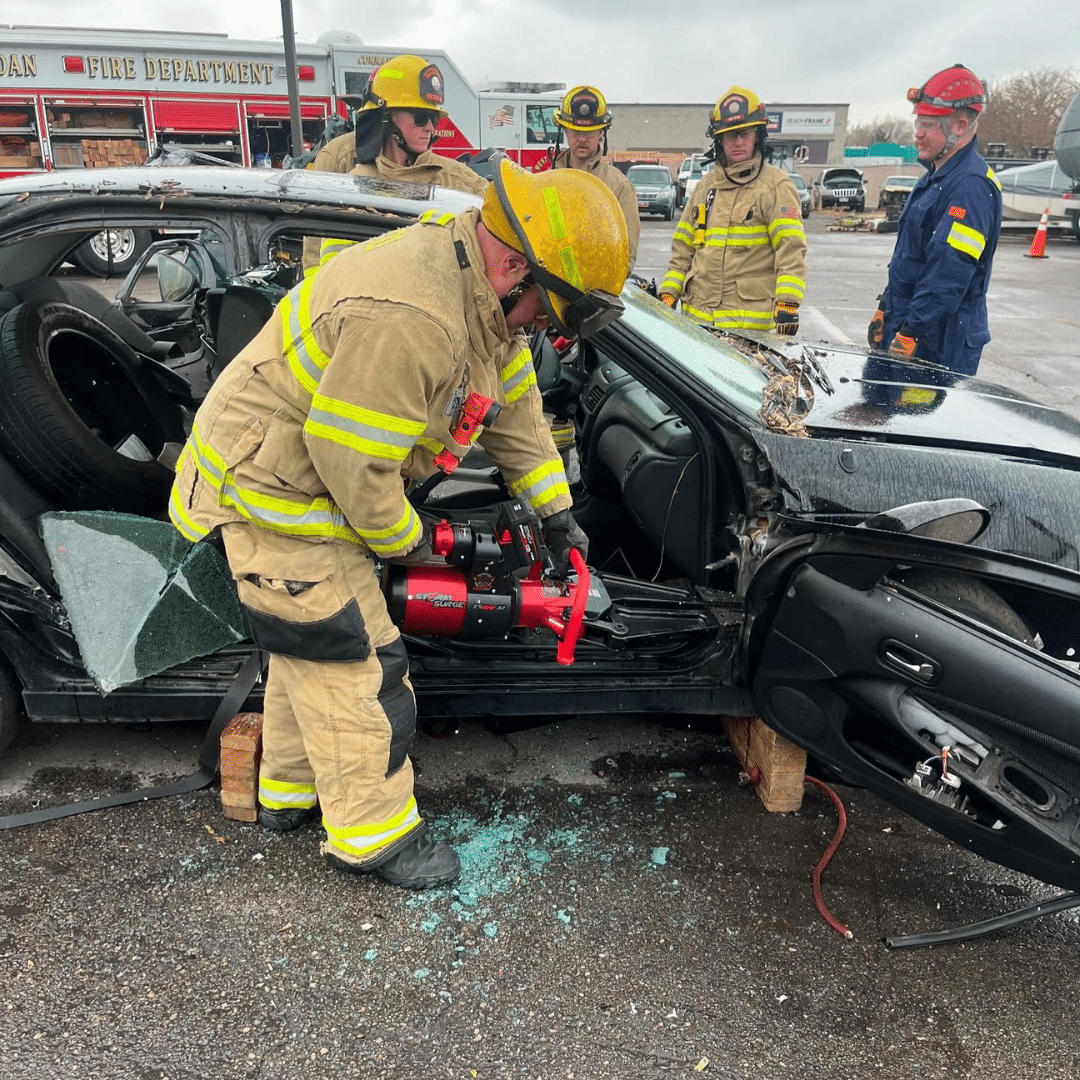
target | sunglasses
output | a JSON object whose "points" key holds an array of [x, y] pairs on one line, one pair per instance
{"points": [[422, 117]]}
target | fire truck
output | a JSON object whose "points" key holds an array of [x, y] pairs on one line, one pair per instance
{"points": [[75, 98]]}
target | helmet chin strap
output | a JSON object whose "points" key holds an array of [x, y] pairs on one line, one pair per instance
{"points": [[397, 137], [951, 138]]}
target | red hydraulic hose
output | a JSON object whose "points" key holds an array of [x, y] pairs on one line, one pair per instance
{"points": [[830, 851]]}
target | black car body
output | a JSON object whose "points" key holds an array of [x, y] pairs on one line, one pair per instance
{"points": [[881, 560]]}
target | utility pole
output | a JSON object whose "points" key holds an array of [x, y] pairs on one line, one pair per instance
{"points": [[289, 35]]}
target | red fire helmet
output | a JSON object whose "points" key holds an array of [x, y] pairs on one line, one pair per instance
{"points": [[954, 88]]}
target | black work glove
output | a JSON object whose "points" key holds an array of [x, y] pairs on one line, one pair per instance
{"points": [[786, 317], [562, 534], [876, 328], [422, 553]]}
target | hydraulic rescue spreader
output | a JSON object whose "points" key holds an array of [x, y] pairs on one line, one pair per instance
{"points": [[494, 581]]}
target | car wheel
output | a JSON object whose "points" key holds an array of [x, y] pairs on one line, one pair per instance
{"points": [[10, 709], [969, 597], [1076, 225], [860, 207], [80, 416], [127, 245]]}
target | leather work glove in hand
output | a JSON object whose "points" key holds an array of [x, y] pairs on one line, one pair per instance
{"points": [[668, 299], [876, 328], [422, 553], [786, 316], [903, 344], [562, 534]]}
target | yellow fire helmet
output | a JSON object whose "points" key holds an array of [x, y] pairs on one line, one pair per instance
{"points": [[572, 232], [739, 108], [583, 109], [406, 82]]}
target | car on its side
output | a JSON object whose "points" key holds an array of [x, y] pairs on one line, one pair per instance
{"points": [[880, 559], [655, 189], [840, 186], [803, 192]]}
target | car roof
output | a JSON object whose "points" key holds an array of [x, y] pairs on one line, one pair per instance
{"points": [[202, 181]]}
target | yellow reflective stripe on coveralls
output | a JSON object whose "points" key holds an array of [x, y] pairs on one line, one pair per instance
{"points": [[282, 795], [518, 375], [317, 517], [542, 484], [789, 285], [402, 534], [305, 358], [673, 280], [363, 841], [736, 236], [684, 231], [376, 434], [779, 228], [732, 318], [966, 239], [178, 514]]}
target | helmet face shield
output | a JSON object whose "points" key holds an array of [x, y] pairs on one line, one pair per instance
{"points": [[572, 233], [581, 315]]}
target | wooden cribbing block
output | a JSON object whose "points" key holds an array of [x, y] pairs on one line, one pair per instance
{"points": [[780, 764], [241, 750]]}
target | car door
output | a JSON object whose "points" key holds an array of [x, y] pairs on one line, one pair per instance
{"points": [[940, 676]]}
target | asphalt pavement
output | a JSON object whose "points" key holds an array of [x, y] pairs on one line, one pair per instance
{"points": [[626, 907]]}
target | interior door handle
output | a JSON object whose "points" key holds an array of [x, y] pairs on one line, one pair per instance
{"points": [[900, 657]]}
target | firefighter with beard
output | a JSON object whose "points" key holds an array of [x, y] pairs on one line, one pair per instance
{"points": [[585, 118], [301, 452], [933, 308], [395, 129], [738, 254]]}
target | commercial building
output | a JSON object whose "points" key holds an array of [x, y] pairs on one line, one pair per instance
{"points": [[800, 134]]}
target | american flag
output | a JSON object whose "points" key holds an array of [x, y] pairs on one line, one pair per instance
{"points": [[501, 117]]}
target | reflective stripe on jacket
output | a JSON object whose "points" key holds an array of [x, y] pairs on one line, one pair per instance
{"points": [[734, 254], [353, 386], [620, 187], [940, 268]]}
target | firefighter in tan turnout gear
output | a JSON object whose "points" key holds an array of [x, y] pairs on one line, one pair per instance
{"points": [[301, 451], [585, 118], [395, 129], [738, 254]]}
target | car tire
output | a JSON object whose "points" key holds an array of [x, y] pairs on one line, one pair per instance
{"points": [[10, 706], [970, 597], [72, 393], [860, 207], [1075, 218], [127, 245]]}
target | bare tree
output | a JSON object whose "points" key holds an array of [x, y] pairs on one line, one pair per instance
{"points": [[1023, 111], [887, 129]]}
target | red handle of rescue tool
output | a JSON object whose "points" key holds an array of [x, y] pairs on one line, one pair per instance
{"points": [[565, 652]]}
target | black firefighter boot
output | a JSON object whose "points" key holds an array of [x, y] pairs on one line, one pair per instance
{"points": [[418, 862], [288, 820]]}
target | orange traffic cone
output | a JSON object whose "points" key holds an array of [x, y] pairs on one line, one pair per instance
{"points": [[1038, 241]]}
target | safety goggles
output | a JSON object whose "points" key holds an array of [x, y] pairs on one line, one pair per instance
{"points": [[422, 117]]}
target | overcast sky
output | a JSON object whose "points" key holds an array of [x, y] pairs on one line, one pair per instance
{"points": [[804, 51]]}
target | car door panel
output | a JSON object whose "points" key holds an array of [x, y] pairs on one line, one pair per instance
{"points": [[968, 729]]}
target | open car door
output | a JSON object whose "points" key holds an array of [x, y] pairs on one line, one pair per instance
{"points": [[941, 676]]}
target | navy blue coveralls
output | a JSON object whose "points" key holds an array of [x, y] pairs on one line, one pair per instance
{"points": [[940, 267]]}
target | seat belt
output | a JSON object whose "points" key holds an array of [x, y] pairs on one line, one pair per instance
{"points": [[209, 757]]}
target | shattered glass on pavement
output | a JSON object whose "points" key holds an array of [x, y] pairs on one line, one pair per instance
{"points": [[140, 597]]}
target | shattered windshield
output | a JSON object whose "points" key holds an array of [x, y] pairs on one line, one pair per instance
{"points": [[716, 364]]}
